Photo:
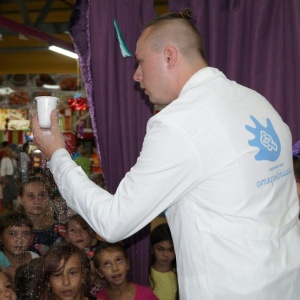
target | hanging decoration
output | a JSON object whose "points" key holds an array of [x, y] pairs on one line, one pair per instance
{"points": [[77, 102], [124, 49]]}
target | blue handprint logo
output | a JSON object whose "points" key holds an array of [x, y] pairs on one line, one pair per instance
{"points": [[265, 139]]}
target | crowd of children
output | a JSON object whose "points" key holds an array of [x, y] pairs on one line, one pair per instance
{"points": [[47, 251]]}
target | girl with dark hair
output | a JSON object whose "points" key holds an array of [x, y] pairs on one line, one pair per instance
{"points": [[112, 264], [35, 203], [81, 235], [15, 237], [162, 275], [65, 274], [296, 164]]}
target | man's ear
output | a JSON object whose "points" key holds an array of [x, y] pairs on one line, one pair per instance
{"points": [[170, 55]]}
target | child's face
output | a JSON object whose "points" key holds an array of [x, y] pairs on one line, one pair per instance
{"points": [[35, 198], [16, 239], [66, 283], [6, 291], [79, 236], [164, 253], [298, 190], [113, 266]]}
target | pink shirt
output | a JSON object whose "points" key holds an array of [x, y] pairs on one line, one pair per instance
{"points": [[141, 293]]}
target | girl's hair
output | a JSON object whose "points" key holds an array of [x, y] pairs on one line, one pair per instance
{"points": [[159, 234], [105, 246], [28, 279], [79, 219], [15, 218], [52, 261], [296, 163], [30, 180]]}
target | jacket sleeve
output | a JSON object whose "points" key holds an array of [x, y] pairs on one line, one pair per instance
{"points": [[167, 169]]}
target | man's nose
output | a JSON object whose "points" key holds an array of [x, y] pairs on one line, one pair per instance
{"points": [[137, 75]]}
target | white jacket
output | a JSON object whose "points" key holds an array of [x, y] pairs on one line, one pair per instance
{"points": [[219, 160]]}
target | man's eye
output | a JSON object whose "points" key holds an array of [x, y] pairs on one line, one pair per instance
{"points": [[11, 233], [119, 259]]}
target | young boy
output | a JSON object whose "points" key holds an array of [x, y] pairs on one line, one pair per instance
{"points": [[15, 237]]}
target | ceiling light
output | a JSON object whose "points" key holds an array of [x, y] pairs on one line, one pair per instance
{"points": [[50, 86], [63, 51]]}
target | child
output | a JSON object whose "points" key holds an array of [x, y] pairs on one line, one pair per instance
{"points": [[28, 279], [80, 234], [111, 262], [6, 287], [162, 277], [296, 163], [16, 237], [65, 274], [34, 201]]}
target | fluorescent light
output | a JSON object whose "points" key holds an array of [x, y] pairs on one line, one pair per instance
{"points": [[49, 86], [63, 51]]}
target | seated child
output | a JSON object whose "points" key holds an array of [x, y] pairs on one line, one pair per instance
{"points": [[111, 262], [6, 286], [162, 275], [65, 274], [28, 279], [34, 201], [16, 237], [80, 234]]}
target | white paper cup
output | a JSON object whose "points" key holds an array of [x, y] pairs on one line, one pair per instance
{"points": [[45, 105]]}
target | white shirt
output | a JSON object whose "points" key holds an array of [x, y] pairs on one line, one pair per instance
{"points": [[7, 166], [224, 174]]}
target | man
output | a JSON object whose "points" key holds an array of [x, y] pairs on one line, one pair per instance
{"points": [[217, 159]]}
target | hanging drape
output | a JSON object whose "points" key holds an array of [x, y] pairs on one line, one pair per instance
{"points": [[118, 110], [257, 44]]}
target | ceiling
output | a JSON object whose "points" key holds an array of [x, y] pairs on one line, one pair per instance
{"points": [[27, 27]]}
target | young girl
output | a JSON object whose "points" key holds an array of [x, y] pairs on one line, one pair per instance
{"points": [[111, 262], [65, 274], [296, 163], [162, 275], [34, 201], [81, 235], [6, 287], [16, 237]]}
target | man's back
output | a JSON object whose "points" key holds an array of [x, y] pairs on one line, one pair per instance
{"points": [[239, 195]]}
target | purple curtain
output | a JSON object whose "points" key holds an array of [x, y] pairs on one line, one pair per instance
{"points": [[257, 44], [118, 110]]}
